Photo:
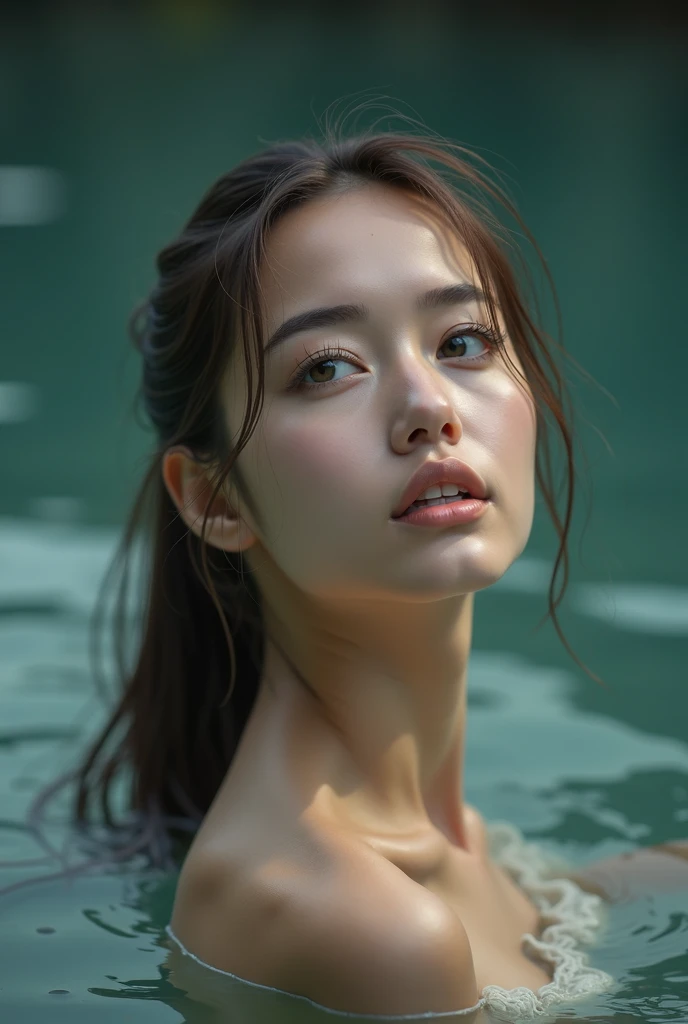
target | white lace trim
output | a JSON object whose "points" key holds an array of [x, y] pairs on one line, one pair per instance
{"points": [[573, 917]]}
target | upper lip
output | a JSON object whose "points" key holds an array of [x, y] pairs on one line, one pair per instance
{"points": [[451, 471]]}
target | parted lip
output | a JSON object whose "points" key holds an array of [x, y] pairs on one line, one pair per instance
{"points": [[450, 471]]}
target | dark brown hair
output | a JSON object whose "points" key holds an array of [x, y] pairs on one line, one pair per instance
{"points": [[175, 726]]}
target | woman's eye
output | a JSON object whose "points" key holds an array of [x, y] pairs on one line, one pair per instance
{"points": [[322, 372], [470, 345]]}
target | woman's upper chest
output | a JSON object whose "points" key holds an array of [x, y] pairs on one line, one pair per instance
{"points": [[311, 859], [494, 911]]}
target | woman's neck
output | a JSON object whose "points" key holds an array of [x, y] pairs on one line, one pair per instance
{"points": [[372, 714]]}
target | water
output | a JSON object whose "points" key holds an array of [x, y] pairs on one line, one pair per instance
{"points": [[100, 169], [582, 783]]}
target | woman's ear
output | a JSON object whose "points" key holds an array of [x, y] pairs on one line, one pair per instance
{"points": [[189, 484]]}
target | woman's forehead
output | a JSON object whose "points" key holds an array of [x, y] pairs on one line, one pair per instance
{"points": [[336, 248]]}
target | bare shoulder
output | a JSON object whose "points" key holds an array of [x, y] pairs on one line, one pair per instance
{"points": [[381, 946], [359, 937]]}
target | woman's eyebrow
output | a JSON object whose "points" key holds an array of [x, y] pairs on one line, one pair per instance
{"points": [[329, 316]]}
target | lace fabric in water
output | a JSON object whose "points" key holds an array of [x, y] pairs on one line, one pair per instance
{"points": [[571, 917]]}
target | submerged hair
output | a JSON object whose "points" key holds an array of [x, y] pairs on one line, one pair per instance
{"points": [[175, 724]]}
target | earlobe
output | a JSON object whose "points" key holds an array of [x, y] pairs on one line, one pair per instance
{"points": [[226, 532], [190, 487]]}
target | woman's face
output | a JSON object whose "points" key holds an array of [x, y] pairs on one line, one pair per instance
{"points": [[329, 462]]}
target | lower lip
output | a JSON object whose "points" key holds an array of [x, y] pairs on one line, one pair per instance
{"points": [[464, 511]]}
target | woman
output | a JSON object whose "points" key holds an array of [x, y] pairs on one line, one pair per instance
{"points": [[352, 406]]}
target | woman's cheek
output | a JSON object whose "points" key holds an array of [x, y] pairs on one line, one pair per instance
{"points": [[315, 469], [511, 439], [520, 442], [507, 424], [519, 430]]}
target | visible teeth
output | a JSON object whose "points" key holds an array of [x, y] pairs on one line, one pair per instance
{"points": [[438, 490], [441, 499]]}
